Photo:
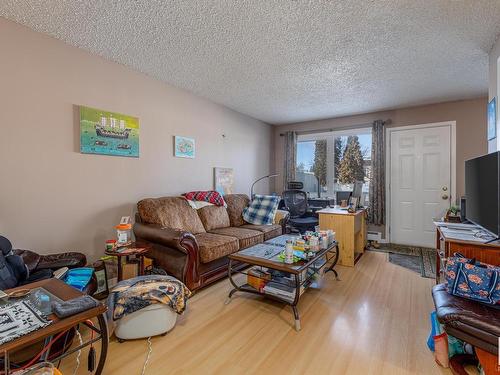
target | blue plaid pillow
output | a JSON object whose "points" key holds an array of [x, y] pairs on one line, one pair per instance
{"points": [[261, 210]]}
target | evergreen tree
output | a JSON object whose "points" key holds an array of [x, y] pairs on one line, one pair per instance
{"points": [[351, 165], [338, 147], [319, 166]]}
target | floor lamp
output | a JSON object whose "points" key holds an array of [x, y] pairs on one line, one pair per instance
{"points": [[257, 180]]}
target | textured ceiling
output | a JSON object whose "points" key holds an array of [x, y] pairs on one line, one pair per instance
{"points": [[287, 61]]}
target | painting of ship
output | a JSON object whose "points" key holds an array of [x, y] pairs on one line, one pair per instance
{"points": [[102, 129], [108, 133]]}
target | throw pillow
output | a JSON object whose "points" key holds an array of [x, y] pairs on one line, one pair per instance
{"points": [[261, 210]]}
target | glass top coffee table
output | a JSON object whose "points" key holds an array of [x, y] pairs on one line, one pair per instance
{"points": [[273, 278]]}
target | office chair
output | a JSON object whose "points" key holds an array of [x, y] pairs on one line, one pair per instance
{"points": [[296, 203]]}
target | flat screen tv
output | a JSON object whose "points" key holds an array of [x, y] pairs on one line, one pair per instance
{"points": [[482, 192]]}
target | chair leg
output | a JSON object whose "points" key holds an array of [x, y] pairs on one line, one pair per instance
{"points": [[489, 362]]}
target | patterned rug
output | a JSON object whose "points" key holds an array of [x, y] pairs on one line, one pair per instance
{"points": [[417, 259]]}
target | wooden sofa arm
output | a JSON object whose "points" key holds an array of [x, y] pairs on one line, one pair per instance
{"points": [[164, 241]]}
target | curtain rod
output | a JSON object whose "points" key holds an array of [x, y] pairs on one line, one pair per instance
{"points": [[357, 126]]}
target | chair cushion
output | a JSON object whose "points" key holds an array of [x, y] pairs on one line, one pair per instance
{"points": [[261, 210], [214, 217], [170, 212], [270, 231], [214, 246], [235, 205], [468, 320], [246, 237]]}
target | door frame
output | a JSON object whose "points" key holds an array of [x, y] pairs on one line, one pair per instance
{"points": [[452, 125]]}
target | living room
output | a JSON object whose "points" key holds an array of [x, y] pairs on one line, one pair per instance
{"points": [[174, 120]]}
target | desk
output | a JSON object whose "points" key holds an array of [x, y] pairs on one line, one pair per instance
{"points": [[350, 232], [64, 292], [470, 247]]}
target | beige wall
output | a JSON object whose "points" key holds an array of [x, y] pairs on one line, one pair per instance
{"points": [[470, 117], [53, 198]]}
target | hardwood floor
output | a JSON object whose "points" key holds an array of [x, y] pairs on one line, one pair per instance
{"points": [[374, 321]]}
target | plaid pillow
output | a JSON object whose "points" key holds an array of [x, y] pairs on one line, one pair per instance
{"points": [[261, 210], [209, 196]]}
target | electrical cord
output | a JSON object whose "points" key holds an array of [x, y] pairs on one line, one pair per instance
{"points": [[150, 351], [79, 352]]}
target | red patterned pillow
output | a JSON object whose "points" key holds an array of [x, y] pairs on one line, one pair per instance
{"points": [[209, 196]]}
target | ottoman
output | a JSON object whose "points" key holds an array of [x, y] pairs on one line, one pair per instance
{"points": [[153, 320]]}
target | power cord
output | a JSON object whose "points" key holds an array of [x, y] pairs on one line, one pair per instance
{"points": [[150, 351], [79, 352]]}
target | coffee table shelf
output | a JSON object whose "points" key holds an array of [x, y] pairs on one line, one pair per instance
{"points": [[266, 256]]}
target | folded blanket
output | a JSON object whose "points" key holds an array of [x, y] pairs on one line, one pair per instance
{"points": [[209, 196], [131, 295]]}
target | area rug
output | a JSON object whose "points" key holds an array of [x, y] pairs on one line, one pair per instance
{"points": [[414, 258]]}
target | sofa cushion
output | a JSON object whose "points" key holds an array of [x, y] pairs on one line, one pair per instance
{"points": [[214, 246], [214, 217], [246, 237], [270, 231], [235, 205], [170, 212]]}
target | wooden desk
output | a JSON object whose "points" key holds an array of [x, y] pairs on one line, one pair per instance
{"points": [[446, 247], [350, 232], [65, 293]]}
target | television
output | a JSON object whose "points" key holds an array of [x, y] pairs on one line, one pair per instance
{"points": [[482, 192]]}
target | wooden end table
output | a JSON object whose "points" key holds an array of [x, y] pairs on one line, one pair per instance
{"points": [[140, 250]]}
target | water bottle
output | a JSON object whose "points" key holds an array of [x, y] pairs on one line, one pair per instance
{"points": [[289, 252]]}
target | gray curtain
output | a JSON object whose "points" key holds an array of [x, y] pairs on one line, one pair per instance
{"points": [[376, 213], [290, 158]]}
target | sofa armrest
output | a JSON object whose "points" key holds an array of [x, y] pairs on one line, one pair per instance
{"points": [[173, 240], [37, 262]]}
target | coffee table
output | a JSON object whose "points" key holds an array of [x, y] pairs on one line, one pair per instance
{"points": [[266, 256]]}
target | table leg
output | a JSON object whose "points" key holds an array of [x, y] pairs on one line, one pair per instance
{"points": [[103, 327], [120, 269], [295, 302], [230, 277], [6, 362], [334, 263], [141, 265]]}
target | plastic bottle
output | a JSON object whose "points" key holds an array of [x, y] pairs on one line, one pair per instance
{"points": [[289, 252]]}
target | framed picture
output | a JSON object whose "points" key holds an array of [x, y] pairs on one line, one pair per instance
{"points": [[224, 180], [108, 133], [184, 147], [102, 280], [492, 119]]}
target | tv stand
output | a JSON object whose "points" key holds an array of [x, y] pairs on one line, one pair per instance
{"points": [[488, 252]]}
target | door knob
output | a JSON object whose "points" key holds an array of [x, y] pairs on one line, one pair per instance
{"points": [[445, 188], [444, 196]]}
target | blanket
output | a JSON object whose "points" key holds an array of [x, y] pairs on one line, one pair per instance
{"points": [[209, 196], [131, 295]]}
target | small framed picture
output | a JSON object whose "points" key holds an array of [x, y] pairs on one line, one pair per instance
{"points": [[184, 147], [102, 280], [125, 220]]}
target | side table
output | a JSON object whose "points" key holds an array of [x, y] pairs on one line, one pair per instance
{"points": [[135, 249]]}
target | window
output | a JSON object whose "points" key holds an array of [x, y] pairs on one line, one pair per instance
{"points": [[333, 161]]}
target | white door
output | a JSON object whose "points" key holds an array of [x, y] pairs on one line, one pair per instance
{"points": [[420, 177]]}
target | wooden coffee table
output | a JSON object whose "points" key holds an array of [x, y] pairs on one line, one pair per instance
{"points": [[266, 255]]}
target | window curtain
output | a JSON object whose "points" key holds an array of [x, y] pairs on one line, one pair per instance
{"points": [[376, 212], [290, 158]]}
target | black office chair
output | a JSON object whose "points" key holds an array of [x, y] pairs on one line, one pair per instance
{"points": [[300, 219]]}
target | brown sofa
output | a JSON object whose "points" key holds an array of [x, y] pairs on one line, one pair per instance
{"points": [[193, 245]]}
